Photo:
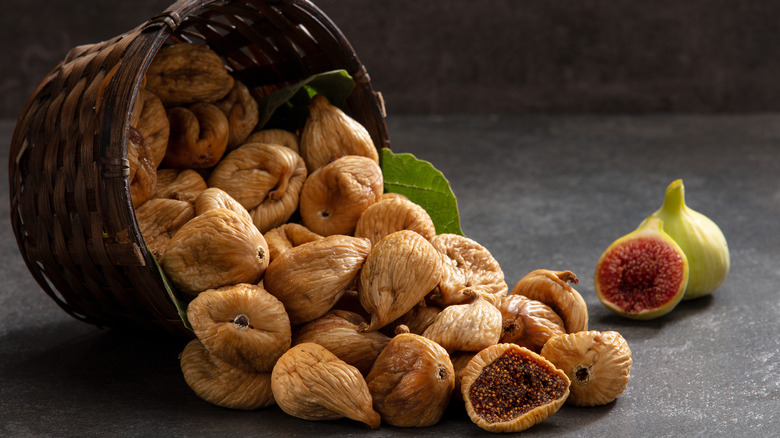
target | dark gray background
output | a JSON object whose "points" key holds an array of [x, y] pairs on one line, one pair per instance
{"points": [[497, 56]]}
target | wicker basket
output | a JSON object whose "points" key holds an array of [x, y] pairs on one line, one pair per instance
{"points": [[71, 208]]}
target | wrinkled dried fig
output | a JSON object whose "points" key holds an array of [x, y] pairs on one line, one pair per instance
{"points": [[184, 185], [553, 289], [338, 331], [275, 136], [143, 174], [215, 249], [159, 219], [401, 269], [185, 73], [467, 264], [214, 197], [241, 110], [394, 214], [287, 236], [466, 327], [528, 323], [222, 384], [508, 388], [266, 179], [459, 361], [329, 133], [242, 325], [310, 382], [198, 138], [334, 197], [411, 381], [310, 278], [416, 320], [153, 125], [597, 363]]}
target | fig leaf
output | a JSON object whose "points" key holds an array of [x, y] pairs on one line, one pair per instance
{"points": [[424, 185], [181, 307], [287, 108]]}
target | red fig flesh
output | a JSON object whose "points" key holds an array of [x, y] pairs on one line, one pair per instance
{"points": [[643, 274]]}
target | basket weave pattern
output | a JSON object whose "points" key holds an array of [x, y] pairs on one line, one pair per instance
{"points": [[71, 209]]}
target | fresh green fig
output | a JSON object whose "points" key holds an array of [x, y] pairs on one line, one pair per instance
{"points": [[701, 240], [643, 274]]}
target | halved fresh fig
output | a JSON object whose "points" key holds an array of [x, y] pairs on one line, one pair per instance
{"points": [[643, 274]]}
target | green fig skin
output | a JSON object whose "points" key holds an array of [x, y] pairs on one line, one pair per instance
{"points": [[701, 240], [656, 265]]}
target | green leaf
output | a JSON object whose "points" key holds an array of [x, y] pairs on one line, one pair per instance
{"points": [[424, 185], [181, 307], [287, 108]]}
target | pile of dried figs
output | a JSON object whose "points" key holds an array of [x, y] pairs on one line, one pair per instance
{"points": [[311, 288]]}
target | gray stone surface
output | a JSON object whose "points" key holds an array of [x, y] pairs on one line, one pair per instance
{"points": [[538, 192], [497, 56]]}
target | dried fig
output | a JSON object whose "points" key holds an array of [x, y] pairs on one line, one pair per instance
{"points": [[198, 138], [329, 133], [242, 325], [394, 214], [310, 278], [334, 197], [411, 381], [179, 184], [242, 113], [553, 289], [159, 219], [459, 361], [185, 73], [266, 179], [419, 318], [214, 197], [507, 388], [597, 363], [310, 382], [222, 384], [154, 126], [338, 331], [528, 323], [401, 269], [287, 236], [215, 249], [143, 174], [466, 327], [275, 136], [467, 264]]}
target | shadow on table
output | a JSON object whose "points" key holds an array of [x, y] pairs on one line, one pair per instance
{"points": [[645, 329]]}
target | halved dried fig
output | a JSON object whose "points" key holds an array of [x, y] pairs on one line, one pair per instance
{"points": [[215, 249], [159, 219], [198, 138], [401, 269], [242, 325], [310, 278], [179, 184], [508, 388], [467, 264], [222, 384], [466, 327], [394, 214], [528, 323], [553, 289], [334, 197], [288, 236], [185, 73], [411, 381], [266, 179], [275, 136], [310, 382], [241, 110], [338, 331], [329, 134], [597, 363]]}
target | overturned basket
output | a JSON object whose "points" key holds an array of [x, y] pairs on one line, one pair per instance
{"points": [[71, 208]]}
